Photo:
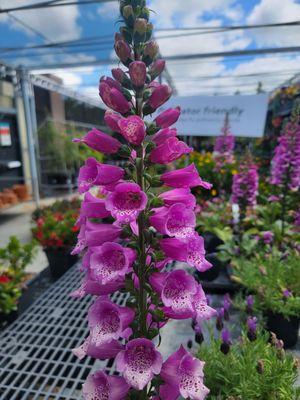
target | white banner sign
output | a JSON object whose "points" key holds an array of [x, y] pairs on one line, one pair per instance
{"points": [[204, 115]]}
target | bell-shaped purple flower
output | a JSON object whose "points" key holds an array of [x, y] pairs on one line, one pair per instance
{"points": [[110, 262], [177, 290], [93, 207], [161, 136], [100, 386], [126, 202], [183, 376], [139, 362], [97, 234], [100, 141], [113, 98], [132, 129], [167, 117], [138, 73], [101, 352], [95, 173], [89, 286], [176, 220], [183, 196], [203, 311], [108, 321], [112, 119], [168, 151], [187, 177], [159, 96], [191, 251]]}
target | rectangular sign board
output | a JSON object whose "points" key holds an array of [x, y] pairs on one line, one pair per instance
{"points": [[204, 115]]}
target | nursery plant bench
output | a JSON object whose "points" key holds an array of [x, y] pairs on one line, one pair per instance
{"points": [[36, 361]]}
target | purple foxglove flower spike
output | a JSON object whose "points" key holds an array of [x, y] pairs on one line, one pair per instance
{"points": [[132, 129], [245, 185], [100, 141], [183, 376], [126, 202], [111, 261], [187, 177], [139, 362], [183, 196], [95, 173], [138, 73], [168, 151], [100, 386], [190, 251], [176, 220], [167, 118]]}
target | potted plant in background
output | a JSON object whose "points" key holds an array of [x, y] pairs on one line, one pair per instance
{"points": [[274, 278], [13, 259], [54, 229]]}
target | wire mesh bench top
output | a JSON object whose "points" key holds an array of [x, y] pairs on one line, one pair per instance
{"points": [[36, 362]]}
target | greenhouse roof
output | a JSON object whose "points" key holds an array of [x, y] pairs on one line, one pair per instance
{"points": [[212, 47]]}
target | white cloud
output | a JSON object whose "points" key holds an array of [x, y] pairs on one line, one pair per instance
{"points": [[275, 11], [109, 10], [57, 24]]}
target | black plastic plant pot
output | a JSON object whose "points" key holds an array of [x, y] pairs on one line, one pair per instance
{"points": [[60, 261], [212, 273], [211, 242], [285, 329], [7, 318]]}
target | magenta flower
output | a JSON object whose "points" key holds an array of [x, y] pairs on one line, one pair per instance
{"points": [[176, 220], [159, 96], [245, 186], [112, 120], [93, 207], [202, 309], [224, 146], [138, 73], [168, 117], [101, 352], [126, 202], [183, 376], [187, 177], [139, 362], [268, 237], [110, 262], [100, 386], [95, 173], [89, 286], [182, 195], [170, 150], [108, 321], [133, 129], [177, 290], [100, 141], [285, 166], [97, 234], [113, 98], [191, 251], [161, 136]]}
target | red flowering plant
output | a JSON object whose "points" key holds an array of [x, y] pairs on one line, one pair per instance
{"points": [[151, 228], [56, 230], [13, 259]]}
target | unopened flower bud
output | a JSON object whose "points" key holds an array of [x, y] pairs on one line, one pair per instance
{"points": [[123, 51], [249, 304], [260, 367], [128, 12], [138, 73], [150, 52], [149, 31], [140, 26], [145, 13], [226, 342], [199, 338], [157, 68], [189, 344]]}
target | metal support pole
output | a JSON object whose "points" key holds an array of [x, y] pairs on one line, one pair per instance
{"points": [[26, 93]]}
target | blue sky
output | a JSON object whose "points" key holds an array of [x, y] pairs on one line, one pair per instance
{"points": [[213, 76]]}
